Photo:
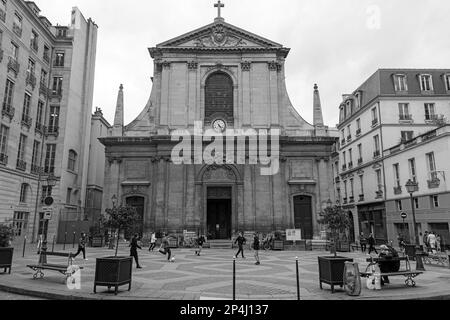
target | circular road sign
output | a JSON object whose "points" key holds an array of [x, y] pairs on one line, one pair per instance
{"points": [[49, 201], [404, 215]]}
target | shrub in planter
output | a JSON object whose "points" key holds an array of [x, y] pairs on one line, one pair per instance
{"points": [[331, 269], [6, 252]]}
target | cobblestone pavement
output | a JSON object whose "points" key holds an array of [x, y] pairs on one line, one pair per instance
{"points": [[12, 296], [210, 277]]}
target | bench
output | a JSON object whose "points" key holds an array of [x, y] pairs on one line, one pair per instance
{"points": [[408, 273], [441, 259], [61, 268]]}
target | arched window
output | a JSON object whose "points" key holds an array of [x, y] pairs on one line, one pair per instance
{"points": [[219, 98], [72, 160], [24, 192]]}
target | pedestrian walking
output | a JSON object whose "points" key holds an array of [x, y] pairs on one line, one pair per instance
{"points": [[432, 242], [256, 248], [241, 241], [152, 242], [371, 242], [40, 243], [134, 245], [363, 242], [438, 243], [81, 247], [165, 248], [200, 242], [425, 242]]}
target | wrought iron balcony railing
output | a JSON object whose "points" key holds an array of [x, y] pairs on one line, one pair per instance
{"points": [[52, 131], [36, 169], [8, 111], [358, 132], [31, 80], [398, 190], [27, 121], [350, 165], [361, 198], [3, 159], [39, 128], [377, 154], [21, 165], [433, 180], [13, 65], [374, 122], [360, 161], [405, 117]]}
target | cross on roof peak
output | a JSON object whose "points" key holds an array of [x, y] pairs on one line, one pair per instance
{"points": [[219, 5]]}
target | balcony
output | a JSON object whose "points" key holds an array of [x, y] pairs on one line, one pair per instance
{"points": [[52, 131], [13, 65], [360, 161], [344, 201], [39, 128], [3, 159], [361, 198], [344, 167], [36, 169], [17, 30], [352, 199], [358, 132], [8, 111], [21, 165], [56, 94], [43, 89], [398, 190], [406, 118], [374, 122], [31, 80], [2, 15], [433, 181], [26, 121], [350, 165], [34, 45], [376, 154], [349, 138]]}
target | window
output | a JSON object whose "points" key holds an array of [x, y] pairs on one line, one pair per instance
{"points": [[376, 141], [59, 59], [434, 201], [72, 160], [344, 155], [46, 55], [40, 110], [429, 111], [14, 51], [379, 179], [44, 78], [358, 97], [360, 153], [50, 159], [341, 114], [399, 205], [26, 108], [404, 111], [343, 135], [46, 192], [35, 157], [416, 203], [431, 162], [400, 82], [20, 223], [352, 188], [350, 155], [345, 189], [34, 40], [407, 135], [61, 33], [397, 175], [22, 145], [361, 182], [57, 85], [68, 195], [349, 132], [9, 92], [24, 193], [4, 132], [412, 169], [53, 123], [426, 82], [17, 24], [374, 116], [31, 67], [219, 97], [349, 107], [447, 81], [358, 126]]}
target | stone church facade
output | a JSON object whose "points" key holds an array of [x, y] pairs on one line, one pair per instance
{"points": [[224, 78]]}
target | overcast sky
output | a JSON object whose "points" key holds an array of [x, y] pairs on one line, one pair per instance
{"points": [[334, 43]]}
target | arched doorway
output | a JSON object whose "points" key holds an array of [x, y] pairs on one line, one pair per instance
{"points": [[303, 215], [219, 98], [139, 204]]}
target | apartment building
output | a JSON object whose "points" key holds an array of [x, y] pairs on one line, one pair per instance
{"points": [[46, 92], [391, 108]]}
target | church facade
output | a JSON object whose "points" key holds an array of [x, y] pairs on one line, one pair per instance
{"points": [[220, 78]]}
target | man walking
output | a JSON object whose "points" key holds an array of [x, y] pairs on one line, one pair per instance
{"points": [[240, 241], [81, 247], [363, 242], [425, 242], [256, 247], [371, 242], [200, 241], [133, 250], [152, 242], [165, 248]]}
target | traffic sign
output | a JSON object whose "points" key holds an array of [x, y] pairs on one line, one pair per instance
{"points": [[47, 209], [48, 215], [404, 215], [49, 201]]}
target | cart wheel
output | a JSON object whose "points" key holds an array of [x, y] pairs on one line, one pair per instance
{"points": [[410, 283]]}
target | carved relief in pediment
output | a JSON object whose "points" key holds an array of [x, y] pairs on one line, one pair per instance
{"points": [[219, 37]]}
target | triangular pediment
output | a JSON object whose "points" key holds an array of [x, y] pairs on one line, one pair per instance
{"points": [[219, 35]]}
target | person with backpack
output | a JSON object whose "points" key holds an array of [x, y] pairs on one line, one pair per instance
{"points": [[81, 247], [256, 248], [200, 242], [241, 241]]}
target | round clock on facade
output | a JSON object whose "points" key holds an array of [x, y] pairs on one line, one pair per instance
{"points": [[219, 125]]}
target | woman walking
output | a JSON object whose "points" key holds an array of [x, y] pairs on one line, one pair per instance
{"points": [[256, 247], [371, 242], [81, 247]]}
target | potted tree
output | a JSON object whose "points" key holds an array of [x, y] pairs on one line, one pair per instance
{"points": [[6, 251], [96, 236], [331, 268], [116, 271], [278, 243]]}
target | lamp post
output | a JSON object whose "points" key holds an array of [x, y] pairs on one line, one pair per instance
{"points": [[111, 241], [51, 182], [411, 187]]}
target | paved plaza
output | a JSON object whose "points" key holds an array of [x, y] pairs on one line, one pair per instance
{"points": [[209, 277]]}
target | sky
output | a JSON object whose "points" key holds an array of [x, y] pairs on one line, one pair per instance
{"points": [[337, 44]]}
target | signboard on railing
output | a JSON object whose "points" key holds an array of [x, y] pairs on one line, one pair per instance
{"points": [[294, 235]]}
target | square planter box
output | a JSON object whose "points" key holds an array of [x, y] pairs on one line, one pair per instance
{"points": [[278, 245], [6, 257], [331, 271], [97, 242], [113, 272]]}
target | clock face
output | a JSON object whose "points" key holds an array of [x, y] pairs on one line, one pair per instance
{"points": [[219, 125]]}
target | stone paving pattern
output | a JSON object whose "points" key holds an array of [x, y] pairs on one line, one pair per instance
{"points": [[209, 277]]}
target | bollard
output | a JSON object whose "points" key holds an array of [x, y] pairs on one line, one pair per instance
{"points": [[65, 239], [53, 244], [73, 242], [24, 246], [234, 279], [298, 279]]}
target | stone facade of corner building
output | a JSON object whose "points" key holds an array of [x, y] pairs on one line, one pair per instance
{"points": [[59, 114], [219, 72]]}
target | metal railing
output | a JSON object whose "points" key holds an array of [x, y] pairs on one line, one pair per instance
{"points": [[13, 65], [31, 79], [27, 121], [3, 159], [21, 165], [8, 110]]}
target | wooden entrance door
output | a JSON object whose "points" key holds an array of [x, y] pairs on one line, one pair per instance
{"points": [[303, 216]]}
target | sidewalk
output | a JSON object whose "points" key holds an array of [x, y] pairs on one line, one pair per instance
{"points": [[210, 277]]}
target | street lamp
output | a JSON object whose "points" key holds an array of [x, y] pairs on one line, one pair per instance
{"points": [[51, 180], [411, 187]]}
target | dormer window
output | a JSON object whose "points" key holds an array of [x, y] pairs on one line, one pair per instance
{"points": [[358, 97], [447, 81], [349, 107], [400, 82], [426, 82]]}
